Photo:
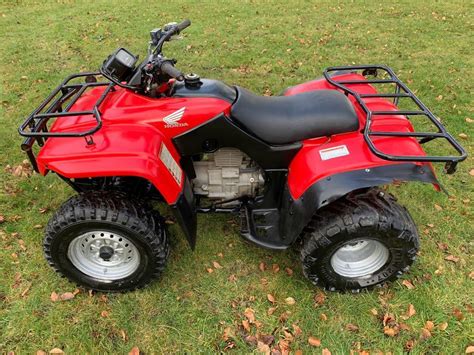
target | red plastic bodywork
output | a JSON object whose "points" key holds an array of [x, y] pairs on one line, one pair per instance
{"points": [[133, 131], [129, 142]]}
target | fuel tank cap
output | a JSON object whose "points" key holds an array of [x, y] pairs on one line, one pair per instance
{"points": [[192, 80]]}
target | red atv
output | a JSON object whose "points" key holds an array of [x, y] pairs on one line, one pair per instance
{"points": [[304, 167]]}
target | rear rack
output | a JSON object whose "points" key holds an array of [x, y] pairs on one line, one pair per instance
{"points": [[35, 127], [401, 91]]}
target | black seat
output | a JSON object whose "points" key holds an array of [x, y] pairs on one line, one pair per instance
{"points": [[288, 119]]}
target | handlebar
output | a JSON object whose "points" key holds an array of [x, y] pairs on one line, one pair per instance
{"points": [[181, 26], [168, 68]]}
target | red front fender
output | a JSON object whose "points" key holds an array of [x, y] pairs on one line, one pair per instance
{"points": [[117, 150]]}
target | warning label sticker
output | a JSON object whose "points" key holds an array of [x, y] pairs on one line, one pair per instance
{"points": [[334, 152], [171, 164]]}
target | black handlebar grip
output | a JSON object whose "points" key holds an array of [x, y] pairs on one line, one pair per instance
{"points": [[181, 26], [169, 69]]}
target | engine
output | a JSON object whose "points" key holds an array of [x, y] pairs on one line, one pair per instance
{"points": [[227, 174]]}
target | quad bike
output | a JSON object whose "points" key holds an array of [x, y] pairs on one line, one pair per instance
{"points": [[303, 168]]}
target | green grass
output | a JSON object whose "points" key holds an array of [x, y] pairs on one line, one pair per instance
{"points": [[265, 46]]}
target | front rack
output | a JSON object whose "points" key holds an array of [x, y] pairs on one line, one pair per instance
{"points": [[35, 127], [401, 91]]}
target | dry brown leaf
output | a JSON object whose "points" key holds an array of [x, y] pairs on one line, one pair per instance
{"points": [[271, 298], [289, 271], [299, 352], [123, 335], [251, 340], [54, 296], [403, 326], [314, 341], [37, 226], [352, 327], [296, 330], [323, 317], [263, 348], [425, 334], [429, 325], [325, 352], [250, 314], [443, 326], [388, 319], [26, 290], [452, 258], [56, 351], [271, 310], [228, 333], [438, 207], [266, 338], [210, 270], [391, 331], [135, 351], [319, 298], [409, 345], [463, 135], [290, 301], [374, 312], [410, 312], [471, 172], [443, 246], [232, 278], [275, 268], [220, 255], [104, 314], [408, 284], [284, 317], [458, 314], [41, 352], [66, 296], [469, 120], [246, 325], [216, 265], [2, 219], [262, 266], [469, 350]]}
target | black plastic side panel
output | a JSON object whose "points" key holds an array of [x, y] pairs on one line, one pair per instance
{"points": [[296, 214], [221, 132], [185, 212], [208, 88]]}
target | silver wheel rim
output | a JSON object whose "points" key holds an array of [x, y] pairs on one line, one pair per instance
{"points": [[360, 259], [104, 255]]}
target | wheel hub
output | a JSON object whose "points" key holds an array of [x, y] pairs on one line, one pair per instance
{"points": [[104, 255], [360, 259]]}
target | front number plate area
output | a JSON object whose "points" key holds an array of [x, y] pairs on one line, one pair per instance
{"points": [[171, 164]]}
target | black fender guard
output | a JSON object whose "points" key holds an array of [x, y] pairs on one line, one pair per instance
{"points": [[296, 214], [185, 212]]}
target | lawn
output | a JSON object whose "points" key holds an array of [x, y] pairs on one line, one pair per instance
{"points": [[264, 46]]}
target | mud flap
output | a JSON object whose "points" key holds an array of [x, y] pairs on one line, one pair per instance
{"points": [[185, 212]]}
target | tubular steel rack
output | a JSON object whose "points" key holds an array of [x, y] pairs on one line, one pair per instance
{"points": [[401, 91], [35, 127]]}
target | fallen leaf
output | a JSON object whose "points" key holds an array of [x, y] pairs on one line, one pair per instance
{"points": [[297, 330], [284, 346], [289, 271], [2, 219], [210, 270], [104, 314], [458, 314], [40, 352], [266, 338], [123, 335], [438, 207], [352, 327], [37, 226], [220, 255], [284, 317], [469, 350], [409, 345], [463, 135], [429, 325], [232, 278], [469, 120], [26, 290], [471, 172], [374, 312], [319, 298], [251, 340], [391, 332], [271, 310], [388, 319], [135, 351], [323, 317], [314, 341], [425, 334], [246, 325], [275, 268], [403, 326], [262, 266], [56, 351], [263, 348], [54, 296], [452, 258], [443, 326], [228, 333], [216, 265], [439, 97], [410, 312], [325, 352], [66, 296], [250, 314], [290, 301], [408, 284], [299, 352], [443, 246], [271, 298]]}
